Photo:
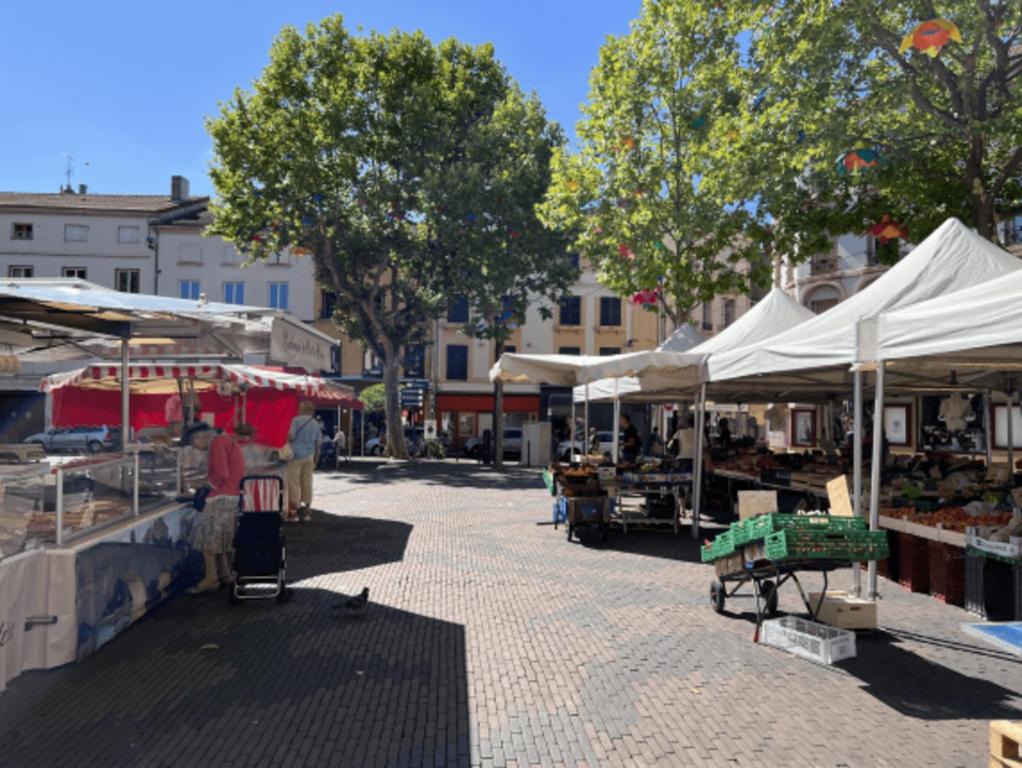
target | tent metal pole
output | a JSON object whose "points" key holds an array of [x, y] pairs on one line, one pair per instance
{"points": [[585, 439], [362, 425], [337, 430], [697, 463], [988, 436], [573, 429], [617, 422], [125, 395], [874, 485], [857, 467], [1011, 432]]}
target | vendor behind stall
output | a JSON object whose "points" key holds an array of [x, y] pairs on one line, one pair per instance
{"points": [[630, 443], [683, 443]]}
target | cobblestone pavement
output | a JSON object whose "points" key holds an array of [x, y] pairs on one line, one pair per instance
{"points": [[491, 641]]}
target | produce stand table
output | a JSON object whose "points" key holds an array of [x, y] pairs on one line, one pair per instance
{"points": [[630, 490], [733, 477]]}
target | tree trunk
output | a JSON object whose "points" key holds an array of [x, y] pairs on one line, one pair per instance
{"points": [[396, 445], [498, 412], [982, 198]]}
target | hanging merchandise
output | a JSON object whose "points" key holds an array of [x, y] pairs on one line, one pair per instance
{"points": [[955, 411], [646, 299], [930, 37], [775, 418], [888, 229], [857, 160]]}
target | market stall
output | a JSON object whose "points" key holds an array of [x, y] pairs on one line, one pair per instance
{"points": [[974, 337]]}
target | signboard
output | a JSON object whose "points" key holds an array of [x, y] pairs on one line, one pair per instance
{"points": [[294, 344], [429, 429], [837, 492]]}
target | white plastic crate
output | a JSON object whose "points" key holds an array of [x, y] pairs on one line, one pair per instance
{"points": [[808, 639], [1011, 548]]}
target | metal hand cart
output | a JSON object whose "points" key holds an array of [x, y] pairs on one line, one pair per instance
{"points": [[766, 578]]}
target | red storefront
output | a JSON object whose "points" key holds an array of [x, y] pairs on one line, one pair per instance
{"points": [[462, 412]]}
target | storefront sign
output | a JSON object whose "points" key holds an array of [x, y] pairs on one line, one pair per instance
{"points": [[293, 344]]}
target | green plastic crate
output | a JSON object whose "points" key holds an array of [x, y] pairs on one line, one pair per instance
{"points": [[812, 545], [760, 527], [723, 544]]}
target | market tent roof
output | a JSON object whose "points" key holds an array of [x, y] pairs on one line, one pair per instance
{"points": [[774, 313], [817, 355], [562, 370], [975, 333], [684, 337], [107, 376], [85, 306]]}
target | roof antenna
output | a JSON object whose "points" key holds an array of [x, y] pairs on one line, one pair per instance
{"points": [[68, 171]]}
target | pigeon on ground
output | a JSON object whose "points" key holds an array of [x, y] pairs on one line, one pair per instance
{"points": [[357, 604]]}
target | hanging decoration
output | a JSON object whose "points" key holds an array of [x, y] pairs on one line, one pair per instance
{"points": [[930, 37], [857, 160], [698, 122], [647, 299], [888, 229], [627, 143], [300, 250], [625, 252]]}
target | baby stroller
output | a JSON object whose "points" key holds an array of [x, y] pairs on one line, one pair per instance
{"points": [[259, 562]]}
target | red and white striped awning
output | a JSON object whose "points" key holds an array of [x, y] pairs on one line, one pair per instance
{"points": [[252, 376]]}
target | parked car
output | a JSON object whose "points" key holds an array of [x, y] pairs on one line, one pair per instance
{"points": [[377, 446], [565, 447], [74, 440], [512, 444]]}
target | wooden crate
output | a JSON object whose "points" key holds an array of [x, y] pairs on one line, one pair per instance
{"points": [[1005, 738], [913, 562], [947, 572]]}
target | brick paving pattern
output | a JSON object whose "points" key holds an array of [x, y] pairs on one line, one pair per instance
{"points": [[491, 641]]}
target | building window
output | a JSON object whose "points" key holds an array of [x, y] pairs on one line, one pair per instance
{"points": [[457, 362], [415, 361], [129, 234], [457, 312], [234, 293], [189, 253], [188, 289], [727, 313], [77, 273], [327, 304], [707, 317], [278, 295], [822, 298], [569, 351], [571, 310], [574, 259], [230, 257], [127, 280], [280, 260], [510, 349], [20, 271], [610, 310], [20, 231], [608, 351], [76, 233]]}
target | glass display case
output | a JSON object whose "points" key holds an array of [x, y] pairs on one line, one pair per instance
{"points": [[22, 495]]}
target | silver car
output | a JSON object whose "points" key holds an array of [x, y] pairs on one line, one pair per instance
{"points": [[512, 444], [73, 440], [565, 448]]}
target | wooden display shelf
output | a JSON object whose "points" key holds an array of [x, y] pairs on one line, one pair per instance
{"points": [[1005, 738], [931, 532]]}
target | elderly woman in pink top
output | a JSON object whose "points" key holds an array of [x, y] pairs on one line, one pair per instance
{"points": [[213, 527]]}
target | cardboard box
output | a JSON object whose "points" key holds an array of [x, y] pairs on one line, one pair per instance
{"points": [[753, 503], [845, 611]]}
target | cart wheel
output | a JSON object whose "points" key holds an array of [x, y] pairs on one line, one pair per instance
{"points": [[717, 596], [768, 592]]}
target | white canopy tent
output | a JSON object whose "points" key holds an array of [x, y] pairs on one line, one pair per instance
{"points": [[972, 337], [819, 356]]}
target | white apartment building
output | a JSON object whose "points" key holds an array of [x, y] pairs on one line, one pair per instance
{"points": [[829, 278]]}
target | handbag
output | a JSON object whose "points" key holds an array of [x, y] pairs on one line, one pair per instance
{"points": [[288, 452], [199, 501]]}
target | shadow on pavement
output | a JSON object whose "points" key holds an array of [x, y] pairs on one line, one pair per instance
{"points": [[663, 544], [462, 474], [922, 689], [200, 682], [338, 543]]}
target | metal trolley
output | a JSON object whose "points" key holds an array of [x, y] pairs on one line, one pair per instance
{"points": [[766, 578]]}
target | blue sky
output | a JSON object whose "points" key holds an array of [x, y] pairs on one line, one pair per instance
{"points": [[125, 86]]}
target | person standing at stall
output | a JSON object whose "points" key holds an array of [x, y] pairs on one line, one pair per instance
{"points": [[630, 442], [213, 527], [305, 437]]}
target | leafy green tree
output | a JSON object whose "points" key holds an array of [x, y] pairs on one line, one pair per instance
{"points": [[359, 150], [633, 192], [515, 261], [374, 398], [821, 79]]}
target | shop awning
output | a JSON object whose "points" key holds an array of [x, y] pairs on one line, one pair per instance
{"points": [[106, 376], [453, 403]]}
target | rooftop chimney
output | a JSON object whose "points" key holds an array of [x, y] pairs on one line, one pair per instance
{"points": [[83, 189], [178, 188]]}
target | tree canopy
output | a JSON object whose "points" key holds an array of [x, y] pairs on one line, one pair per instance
{"points": [[392, 161]]}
